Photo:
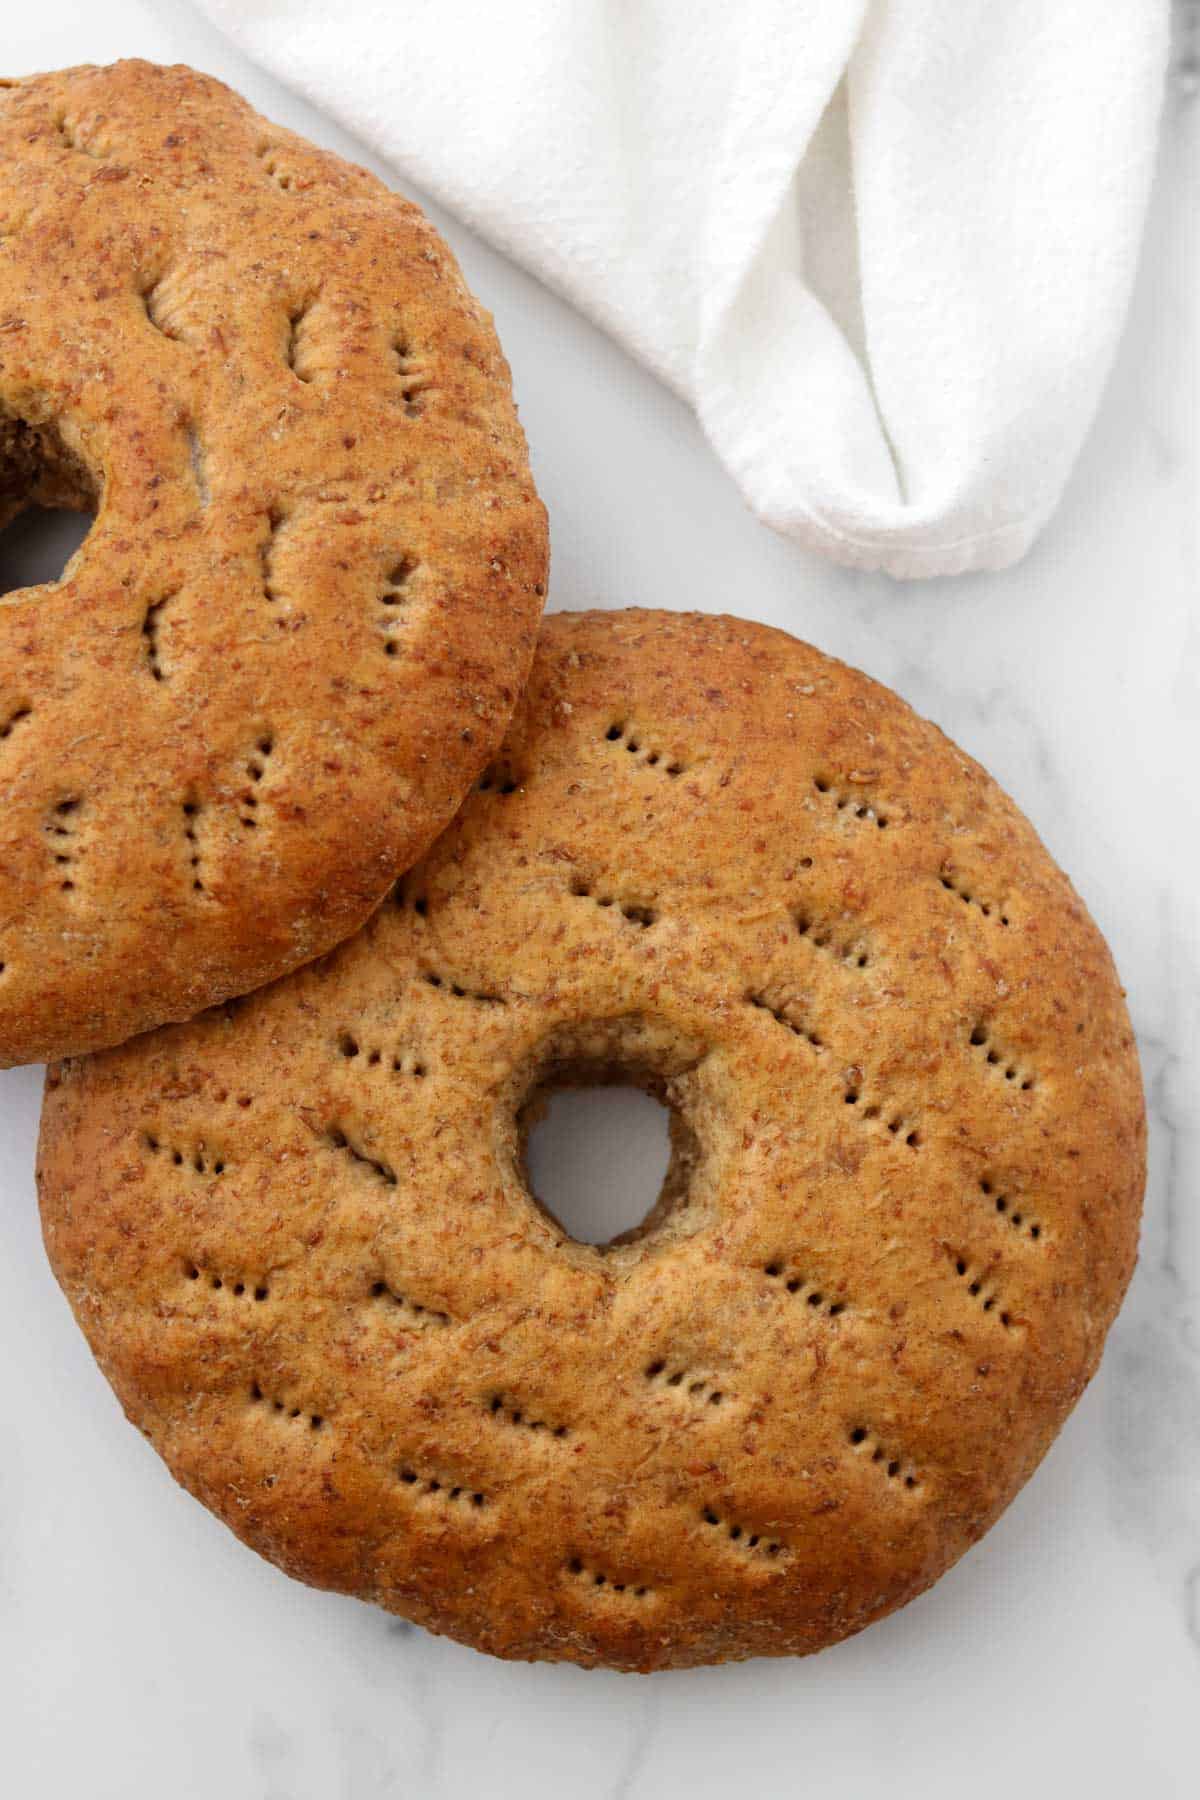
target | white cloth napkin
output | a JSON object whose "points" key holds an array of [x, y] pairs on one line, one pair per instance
{"points": [[883, 247]]}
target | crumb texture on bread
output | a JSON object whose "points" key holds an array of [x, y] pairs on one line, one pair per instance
{"points": [[299, 623], [901, 1212]]}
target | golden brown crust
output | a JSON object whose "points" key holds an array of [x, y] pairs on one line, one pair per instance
{"points": [[904, 1209], [300, 622]]}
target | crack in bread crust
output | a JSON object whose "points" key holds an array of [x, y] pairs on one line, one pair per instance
{"points": [[295, 539], [825, 1362]]}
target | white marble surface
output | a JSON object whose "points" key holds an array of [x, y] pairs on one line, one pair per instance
{"points": [[144, 1653]]}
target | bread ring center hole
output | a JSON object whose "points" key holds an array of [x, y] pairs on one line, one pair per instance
{"points": [[597, 1158], [48, 502], [612, 1131], [37, 546]]}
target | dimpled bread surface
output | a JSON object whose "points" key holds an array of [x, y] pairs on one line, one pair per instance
{"points": [[301, 619], [901, 1212]]}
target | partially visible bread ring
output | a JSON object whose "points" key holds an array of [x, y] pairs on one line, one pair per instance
{"points": [[300, 622], [902, 1212]]}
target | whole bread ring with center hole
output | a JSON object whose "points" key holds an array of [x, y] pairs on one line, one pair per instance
{"points": [[901, 1212], [298, 626]]}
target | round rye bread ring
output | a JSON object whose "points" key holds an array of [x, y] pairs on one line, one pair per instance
{"points": [[901, 1211], [300, 621]]}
